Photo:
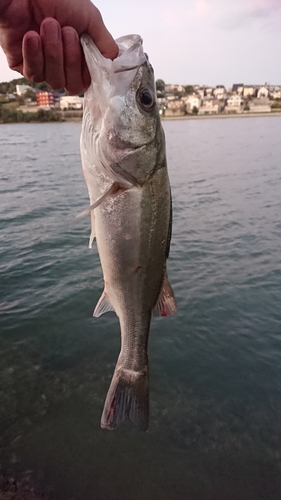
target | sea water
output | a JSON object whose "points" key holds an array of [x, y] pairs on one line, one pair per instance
{"points": [[215, 367]]}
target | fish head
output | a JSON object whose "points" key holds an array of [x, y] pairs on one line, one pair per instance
{"points": [[121, 118]]}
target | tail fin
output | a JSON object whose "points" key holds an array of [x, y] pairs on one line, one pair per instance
{"points": [[127, 397]]}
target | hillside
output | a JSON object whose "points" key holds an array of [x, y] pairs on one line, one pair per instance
{"points": [[10, 87]]}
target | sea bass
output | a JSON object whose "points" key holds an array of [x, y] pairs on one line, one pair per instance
{"points": [[124, 164]]}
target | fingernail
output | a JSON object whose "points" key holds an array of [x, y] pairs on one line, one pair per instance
{"points": [[51, 30]]}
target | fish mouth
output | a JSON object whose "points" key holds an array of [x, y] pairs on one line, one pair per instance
{"points": [[127, 68]]}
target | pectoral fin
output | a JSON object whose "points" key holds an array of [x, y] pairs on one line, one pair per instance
{"points": [[113, 190], [166, 303], [104, 305]]}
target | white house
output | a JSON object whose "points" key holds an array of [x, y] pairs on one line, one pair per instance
{"points": [[20, 89], [209, 105], [249, 90], [192, 101], [201, 92], [235, 101], [71, 102], [276, 93], [234, 104], [175, 108], [262, 92], [219, 92]]}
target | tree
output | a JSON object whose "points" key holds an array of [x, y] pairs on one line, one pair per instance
{"points": [[189, 89], [43, 87], [160, 85], [29, 94]]}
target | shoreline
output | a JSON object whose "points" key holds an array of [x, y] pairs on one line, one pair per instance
{"points": [[220, 115], [78, 117]]}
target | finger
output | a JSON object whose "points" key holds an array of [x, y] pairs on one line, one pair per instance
{"points": [[33, 60], [100, 35], [73, 59], [12, 50], [50, 32]]}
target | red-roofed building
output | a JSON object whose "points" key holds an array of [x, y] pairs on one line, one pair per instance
{"points": [[45, 99]]}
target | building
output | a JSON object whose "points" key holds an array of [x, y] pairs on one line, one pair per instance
{"points": [[235, 100], [192, 101], [237, 88], [249, 91], [71, 102], [175, 108], [219, 92], [262, 92], [45, 99], [209, 91], [201, 92], [234, 104], [171, 88], [209, 106], [20, 89], [275, 93]]}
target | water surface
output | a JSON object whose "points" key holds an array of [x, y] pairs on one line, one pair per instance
{"points": [[215, 367]]}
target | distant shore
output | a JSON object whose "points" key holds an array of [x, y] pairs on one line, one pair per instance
{"points": [[22, 115], [220, 115]]}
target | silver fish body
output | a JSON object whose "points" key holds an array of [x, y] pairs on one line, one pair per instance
{"points": [[124, 163]]}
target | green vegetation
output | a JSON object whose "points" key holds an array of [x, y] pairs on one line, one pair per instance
{"points": [[160, 85], [188, 89], [276, 104], [9, 114], [29, 94], [10, 87]]}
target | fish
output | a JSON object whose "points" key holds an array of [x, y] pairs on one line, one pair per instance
{"points": [[124, 164]]}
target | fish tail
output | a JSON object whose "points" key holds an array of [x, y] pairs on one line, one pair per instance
{"points": [[127, 398]]}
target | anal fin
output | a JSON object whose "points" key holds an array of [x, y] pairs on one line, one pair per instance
{"points": [[104, 305], [166, 302], [93, 229]]}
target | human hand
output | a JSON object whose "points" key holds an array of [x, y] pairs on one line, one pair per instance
{"points": [[41, 40]]}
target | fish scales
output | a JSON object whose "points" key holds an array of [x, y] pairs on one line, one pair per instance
{"points": [[124, 164]]}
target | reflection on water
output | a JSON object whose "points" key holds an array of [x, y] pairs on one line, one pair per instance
{"points": [[214, 367]]}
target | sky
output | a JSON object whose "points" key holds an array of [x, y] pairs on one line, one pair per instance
{"points": [[204, 42]]}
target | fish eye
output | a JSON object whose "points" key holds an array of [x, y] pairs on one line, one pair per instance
{"points": [[146, 98]]}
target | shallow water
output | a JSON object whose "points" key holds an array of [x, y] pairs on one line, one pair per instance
{"points": [[215, 367]]}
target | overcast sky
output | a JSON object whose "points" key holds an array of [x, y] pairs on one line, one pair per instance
{"points": [[199, 41]]}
